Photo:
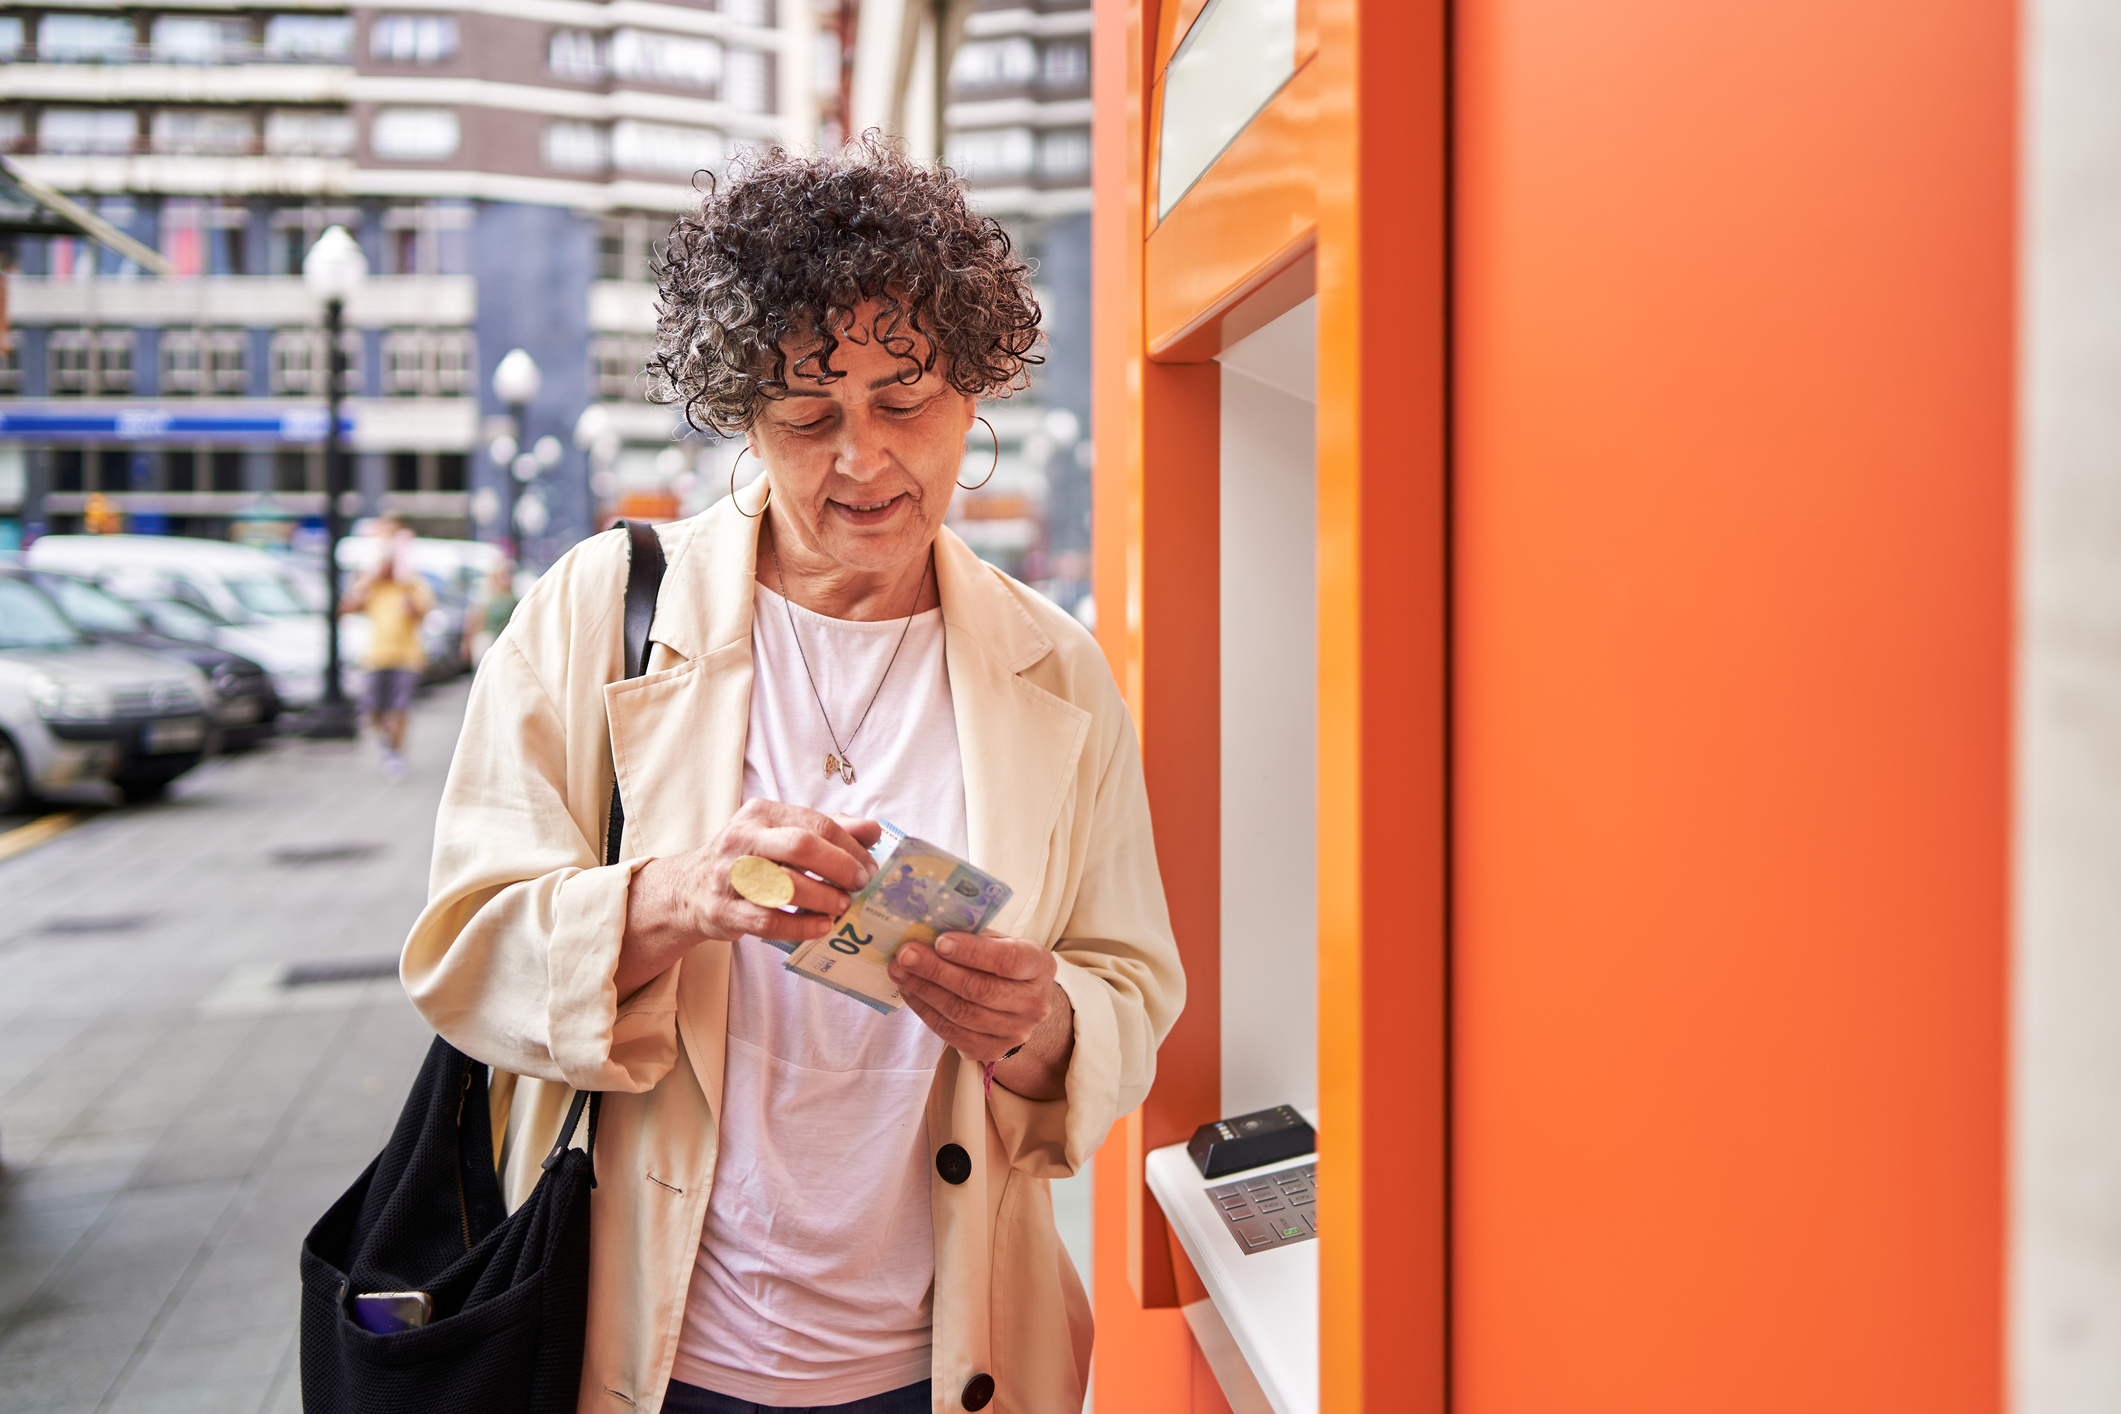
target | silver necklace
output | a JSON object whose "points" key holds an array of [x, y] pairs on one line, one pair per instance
{"points": [[837, 762]]}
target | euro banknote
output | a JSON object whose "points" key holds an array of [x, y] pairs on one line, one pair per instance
{"points": [[920, 891]]}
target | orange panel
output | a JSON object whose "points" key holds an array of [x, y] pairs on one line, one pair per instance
{"points": [[1381, 709], [1733, 492], [1251, 214]]}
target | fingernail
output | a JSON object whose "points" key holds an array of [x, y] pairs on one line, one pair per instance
{"points": [[909, 954], [946, 945]]}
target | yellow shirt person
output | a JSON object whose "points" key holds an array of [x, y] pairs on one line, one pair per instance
{"points": [[395, 600], [395, 609]]}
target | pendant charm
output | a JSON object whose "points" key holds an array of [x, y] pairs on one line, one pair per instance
{"points": [[832, 765], [846, 773]]}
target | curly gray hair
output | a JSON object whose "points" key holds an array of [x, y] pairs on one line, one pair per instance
{"points": [[788, 247]]}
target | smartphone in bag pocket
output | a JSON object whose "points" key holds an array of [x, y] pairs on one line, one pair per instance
{"points": [[386, 1311]]}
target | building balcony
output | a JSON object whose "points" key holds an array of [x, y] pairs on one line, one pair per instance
{"points": [[252, 301], [263, 81]]}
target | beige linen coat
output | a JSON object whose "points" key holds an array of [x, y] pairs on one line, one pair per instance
{"points": [[512, 959]]}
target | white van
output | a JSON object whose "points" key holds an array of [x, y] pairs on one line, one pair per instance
{"points": [[265, 615]]}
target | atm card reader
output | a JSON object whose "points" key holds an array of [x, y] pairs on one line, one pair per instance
{"points": [[1248, 1141]]}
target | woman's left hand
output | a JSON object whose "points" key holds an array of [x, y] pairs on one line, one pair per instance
{"points": [[988, 995]]}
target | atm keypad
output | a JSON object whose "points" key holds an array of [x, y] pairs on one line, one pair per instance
{"points": [[1271, 1209]]}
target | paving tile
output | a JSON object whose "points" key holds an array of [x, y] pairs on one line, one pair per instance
{"points": [[208, 1375], [60, 1381]]}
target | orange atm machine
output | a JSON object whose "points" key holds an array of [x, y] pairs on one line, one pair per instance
{"points": [[1554, 531]]}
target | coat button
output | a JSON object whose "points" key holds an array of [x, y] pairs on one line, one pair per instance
{"points": [[955, 1165], [979, 1390]]}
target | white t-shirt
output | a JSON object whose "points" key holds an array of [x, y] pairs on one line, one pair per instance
{"points": [[812, 1284]]}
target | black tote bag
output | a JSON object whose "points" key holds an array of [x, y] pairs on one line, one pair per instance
{"points": [[510, 1290]]}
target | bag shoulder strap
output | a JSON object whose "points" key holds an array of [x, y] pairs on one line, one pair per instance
{"points": [[644, 580]]}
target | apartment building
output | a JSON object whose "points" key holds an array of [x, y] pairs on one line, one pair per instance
{"points": [[505, 169], [1016, 123]]}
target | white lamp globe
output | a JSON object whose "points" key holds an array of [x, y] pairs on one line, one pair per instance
{"points": [[591, 426], [516, 378], [334, 267], [548, 451]]}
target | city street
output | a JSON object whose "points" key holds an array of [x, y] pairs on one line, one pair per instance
{"points": [[202, 1043]]}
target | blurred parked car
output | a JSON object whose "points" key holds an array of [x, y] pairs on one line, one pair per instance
{"points": [[245, 705], [242, 586], [74, 713]]}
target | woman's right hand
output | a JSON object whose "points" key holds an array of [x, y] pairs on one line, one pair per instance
{"points": [[675, 903]]}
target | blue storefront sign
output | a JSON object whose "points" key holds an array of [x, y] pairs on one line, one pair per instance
{"points": [[160, 424]]}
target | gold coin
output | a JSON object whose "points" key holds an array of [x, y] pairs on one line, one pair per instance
{"points": [[762, 881]]}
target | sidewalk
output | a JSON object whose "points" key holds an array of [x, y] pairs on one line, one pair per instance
{"points": [[202, 1043], [173, 1113]]}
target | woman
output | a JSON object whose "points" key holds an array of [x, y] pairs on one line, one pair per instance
{"points": [[803, 1203]]}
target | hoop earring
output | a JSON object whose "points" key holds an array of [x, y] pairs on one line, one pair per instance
{"points": [[990, 465], [732, 488]]}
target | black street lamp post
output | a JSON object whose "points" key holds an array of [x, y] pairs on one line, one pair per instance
{"points": [[516, 380], [333, 269]]}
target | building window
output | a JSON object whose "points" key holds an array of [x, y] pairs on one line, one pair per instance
{"points": [[1065, 65], [413, 39], [304, 132], [290, 471], [431, 238], [197, 39], [414, 134], [576, 54], [664, 149], [750, 12], [577, 147], [404, 471], [316, 39], [456, 372], [227, 470], [183, 354], [747, 80], [11, 37], [114, 360], [85, 39], [428, 362], [995, 63], [200, 361], [228, 362], [619, 363], [449, 472], [984, 154], [297, 367], [87, 362], [215, 131], [11, 363], [180, 471], [626, 248], [681, 61], [87, 129], [1064, 154]]}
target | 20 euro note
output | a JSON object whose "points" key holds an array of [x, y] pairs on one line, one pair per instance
{"points": [[920, 892]]}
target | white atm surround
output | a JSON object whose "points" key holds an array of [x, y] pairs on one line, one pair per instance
{"points": [[1270, 716], [1258, 1328]]}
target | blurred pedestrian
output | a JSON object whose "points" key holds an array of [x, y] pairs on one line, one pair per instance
{"points": [[490, 614], [395, 600]]}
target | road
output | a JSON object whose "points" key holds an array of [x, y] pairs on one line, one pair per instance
{"points": [[202, 1043]]}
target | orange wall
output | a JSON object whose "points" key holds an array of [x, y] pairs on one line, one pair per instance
{"points": [[1733, 523]]}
